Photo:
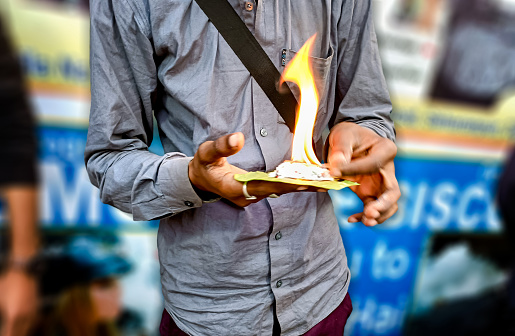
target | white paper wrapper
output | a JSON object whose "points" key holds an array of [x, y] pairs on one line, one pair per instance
{"points": [[301, 170]]}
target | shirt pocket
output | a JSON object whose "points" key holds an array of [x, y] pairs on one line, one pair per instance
{"points": [[321, 67]]}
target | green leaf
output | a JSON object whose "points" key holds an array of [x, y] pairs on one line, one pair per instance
{"points": [[262, 176]]}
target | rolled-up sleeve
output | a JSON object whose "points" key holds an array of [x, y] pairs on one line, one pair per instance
{"points": [[123, 84], [362, 96]]}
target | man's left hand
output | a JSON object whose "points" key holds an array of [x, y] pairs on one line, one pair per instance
{"points": [[360, 155]]}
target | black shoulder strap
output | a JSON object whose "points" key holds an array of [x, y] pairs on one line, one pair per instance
{"points": [[249, 51]]}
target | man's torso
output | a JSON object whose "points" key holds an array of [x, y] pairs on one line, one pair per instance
{"points": [[223, 266]]}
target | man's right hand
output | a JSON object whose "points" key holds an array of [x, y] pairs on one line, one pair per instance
{"points": [[18, 302], [210, 171]]}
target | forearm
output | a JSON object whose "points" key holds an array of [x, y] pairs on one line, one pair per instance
{"points": [[23, 214], [124, 85], [142, 183], [362, 94], [18, 285]]}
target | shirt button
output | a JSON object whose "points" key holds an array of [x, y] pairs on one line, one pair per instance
{"points": [[188, 203], [263, 132], [249, 6], [279, 283], [278, 235]]}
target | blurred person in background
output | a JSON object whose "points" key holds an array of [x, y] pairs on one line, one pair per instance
{"points": [[506, 198], [478, 60], [18, 288], [81, 292]]}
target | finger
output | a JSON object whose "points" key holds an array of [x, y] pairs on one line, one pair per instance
{"points": [[311, 189], [387, 199], [378, 211], [377, 157], [243, 202], [383, 208], [361, 217], [337, 160], [369, 221], [382, 218], [263, 188], [388, 214], [383, 204], [355, 218], [340, 151], [227, 145]]}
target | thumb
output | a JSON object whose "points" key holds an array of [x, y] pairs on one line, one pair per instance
{"points": [[337, 160], [227, 145]]}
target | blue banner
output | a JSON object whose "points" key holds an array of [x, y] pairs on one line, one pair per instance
{"points": [[436, 196], [68, 199]]}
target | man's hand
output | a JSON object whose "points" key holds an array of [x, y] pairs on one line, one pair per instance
{"points": [[210, 171], [361, 155], [18, 302]]}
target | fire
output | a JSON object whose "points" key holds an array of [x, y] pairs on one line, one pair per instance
{"points": [[299, 72]]}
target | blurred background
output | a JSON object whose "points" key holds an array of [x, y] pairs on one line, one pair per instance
{"points": [[442, 265]]}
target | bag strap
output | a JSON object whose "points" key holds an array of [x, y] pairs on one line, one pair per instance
{"points": [[249, 51]]}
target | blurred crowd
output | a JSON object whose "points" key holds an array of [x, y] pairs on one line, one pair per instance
{"points": [[50, 284]]}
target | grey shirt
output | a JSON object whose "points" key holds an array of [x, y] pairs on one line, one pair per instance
{"points": [[223, 266]]}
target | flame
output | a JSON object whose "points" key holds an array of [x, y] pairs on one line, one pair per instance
{"points": [[299, 72]]}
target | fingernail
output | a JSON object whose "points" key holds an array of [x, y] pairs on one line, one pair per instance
{"points": [[233, 140], [370, 223], [302, 188], [372, 213], [322, 190], [352, 220]]}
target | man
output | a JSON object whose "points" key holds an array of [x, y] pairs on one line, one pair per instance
{"points": [[18, 301], [231, 266]]}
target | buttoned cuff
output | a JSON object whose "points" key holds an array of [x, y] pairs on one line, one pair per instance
{"points": [[175, 184], [177, 192]]}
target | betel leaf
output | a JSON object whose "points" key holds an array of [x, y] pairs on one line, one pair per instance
{"points": [[262, 176]]}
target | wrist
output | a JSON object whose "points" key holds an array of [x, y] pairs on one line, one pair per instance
{"points": [[21, 264], [26, 252], [204, 195]]}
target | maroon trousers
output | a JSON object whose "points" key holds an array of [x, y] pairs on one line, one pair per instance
{"points": [[332, 325]]}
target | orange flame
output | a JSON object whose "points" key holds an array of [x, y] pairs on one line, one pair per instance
{"points": [[299, 72]]}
